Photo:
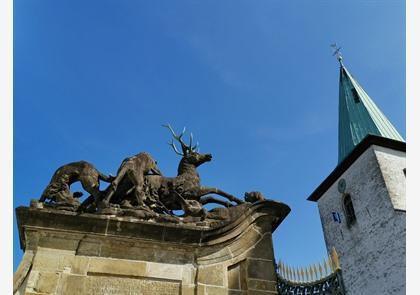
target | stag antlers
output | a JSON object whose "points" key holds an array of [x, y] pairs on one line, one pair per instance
{"points": [[186, 149]]}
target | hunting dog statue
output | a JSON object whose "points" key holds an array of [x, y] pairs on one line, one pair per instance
{"points": [[58, 190]]}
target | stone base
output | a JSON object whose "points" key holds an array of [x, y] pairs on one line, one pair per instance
{"points": [[67, 253]]}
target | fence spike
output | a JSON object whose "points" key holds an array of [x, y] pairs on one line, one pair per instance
{"points": [[280, 268], [288, 273], [330, 263], [315, 272], [325, 267], [283, 270], [298, 274], [311, 271], [291, 274], [292, 278], [336, 260], [289, 269], [307, 274], [302, 277], [320, 270], [294, 274]]}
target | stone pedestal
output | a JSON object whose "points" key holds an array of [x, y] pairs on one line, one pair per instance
{"points": [[70, 253]]}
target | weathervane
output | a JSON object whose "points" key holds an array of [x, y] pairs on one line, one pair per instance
{"points": [[337, 53]]}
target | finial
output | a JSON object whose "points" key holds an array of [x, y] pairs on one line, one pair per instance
{"points": [[337, 53]]}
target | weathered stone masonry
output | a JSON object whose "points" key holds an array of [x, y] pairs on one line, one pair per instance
{"points": [[90, 254]]}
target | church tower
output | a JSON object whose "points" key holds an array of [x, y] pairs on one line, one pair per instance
{"points": [[362, 202]]}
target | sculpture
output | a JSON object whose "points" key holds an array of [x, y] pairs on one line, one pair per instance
{"points": [[253, 197], [187, 182], [58, 190], [192, 207], [134, 170], [140, 190]]}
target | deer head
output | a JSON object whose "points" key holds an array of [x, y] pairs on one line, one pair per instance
{"points": [[190, 154]]}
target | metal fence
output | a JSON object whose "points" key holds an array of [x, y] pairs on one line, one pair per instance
{"points": [[321, 278]]}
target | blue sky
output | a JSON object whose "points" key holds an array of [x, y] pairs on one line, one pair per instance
{"points": [[253, 80]]}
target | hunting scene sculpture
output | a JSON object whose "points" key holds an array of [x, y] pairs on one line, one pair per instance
{"points": [[58, 190], [139, 189]]}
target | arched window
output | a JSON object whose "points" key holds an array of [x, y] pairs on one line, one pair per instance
{"points": [[349, 209]]}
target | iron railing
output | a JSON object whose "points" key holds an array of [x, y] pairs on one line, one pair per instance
{"points": [[322, 278]]}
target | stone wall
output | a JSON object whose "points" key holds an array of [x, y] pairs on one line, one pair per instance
{"points": [[372, 251], [392, 165], [70, 254]]}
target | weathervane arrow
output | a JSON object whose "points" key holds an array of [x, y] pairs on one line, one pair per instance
{"points": [[337, 53]]}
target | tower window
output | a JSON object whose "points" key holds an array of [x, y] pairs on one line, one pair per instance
{"points": [[355, 95], [349, 210]]}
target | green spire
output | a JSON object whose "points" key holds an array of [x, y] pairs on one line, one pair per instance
{"points": [[358, 116]]}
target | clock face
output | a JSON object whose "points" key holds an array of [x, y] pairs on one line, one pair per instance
{"points": [[342, 185]]}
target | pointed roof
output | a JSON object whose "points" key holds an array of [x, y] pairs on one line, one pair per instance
{"points": [[358, 116]]}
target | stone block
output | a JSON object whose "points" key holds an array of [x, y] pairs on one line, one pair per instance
{"points": [[47, 282], [59, 242], [262, 285], [45, 261], [116, 267], [212, 275], [109, 284], [76, 264], [188, 290], [164, 271], [89, 247], [188, 274], [134, 229], [247, 241], [263, 249], [261, 269], [23, 270], [72, 285], [30, 241], [146, 251], [177, 234], [213, 290], [217, 256], [237, 277], [32, 281], [201, 289], [263, 225]]}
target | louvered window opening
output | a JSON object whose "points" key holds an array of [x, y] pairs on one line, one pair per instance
{"points": [[349, 210]]}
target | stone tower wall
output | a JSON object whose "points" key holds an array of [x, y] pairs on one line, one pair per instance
{"points": [[372, 251]]}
